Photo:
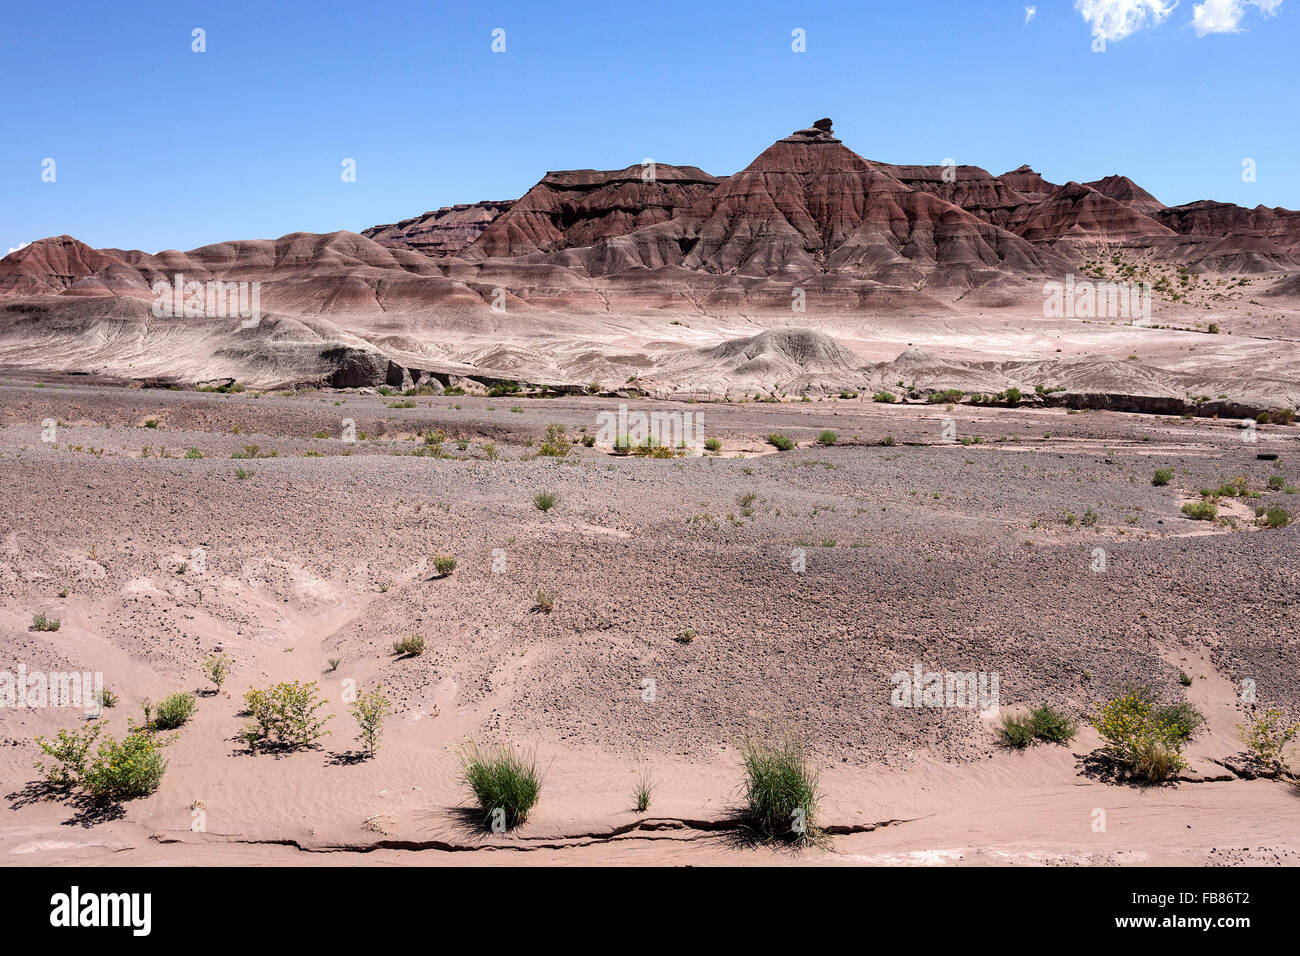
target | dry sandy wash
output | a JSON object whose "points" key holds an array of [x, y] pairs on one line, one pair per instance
{"points": [[957, 556]]}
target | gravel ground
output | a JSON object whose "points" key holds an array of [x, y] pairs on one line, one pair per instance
{"points": [[957, 556]]}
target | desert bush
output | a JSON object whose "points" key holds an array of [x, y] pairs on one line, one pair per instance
{"points": [[42, 623], [1013, 396], [1267, 737], [1052, 725], [885, 398], [945, 396], [1276, 482], [217, 667], [132, 768], [713, 444], [193, 454], [545, 601], [1162, 477], [284, 716], [505, 783], [1145, 737], [243, 473], [1041, 723], [1016, 730], [412, 646], [544, 500], [827, 437], [1276, 517], [781, 442], [1201, 510], [490, 451], [174, 710], [369, 711], [68, 754], [588, 441], [889, 441], [556, 443], [443, 564], [780, 789]]}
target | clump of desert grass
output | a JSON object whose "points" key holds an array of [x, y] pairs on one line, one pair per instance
{"points": [[1041, 724], [780, 789], [505, 783], [643, 790]]}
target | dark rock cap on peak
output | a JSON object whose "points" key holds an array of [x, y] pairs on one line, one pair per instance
{"points": [[819, 132]]}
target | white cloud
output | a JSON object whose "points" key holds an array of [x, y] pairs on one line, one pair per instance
{"points": [[1031, 12], [17, 247], [1116, 19], [1225, 16]]}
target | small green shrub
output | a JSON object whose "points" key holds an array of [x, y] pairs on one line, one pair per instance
{"points": [[544, 500], [1201, 510], [284, 716], [42, 623], [1041, 723], [505, 783], [174, 710], [217, 667], [1267, 737], [556, 443], [885, 398], [1162, 477], [713, 444], [443, 564], [544, 601], [412, 646], [68, 752], [781, 442], [1051, 725], [132, 768], [1276, 517], [369, 711], [827, 437], [1016, 730]]}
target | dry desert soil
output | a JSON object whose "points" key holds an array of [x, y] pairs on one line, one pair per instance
{"points": [[679, 623]]}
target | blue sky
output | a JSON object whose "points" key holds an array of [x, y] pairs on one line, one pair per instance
{"points": [[156, 146]]}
